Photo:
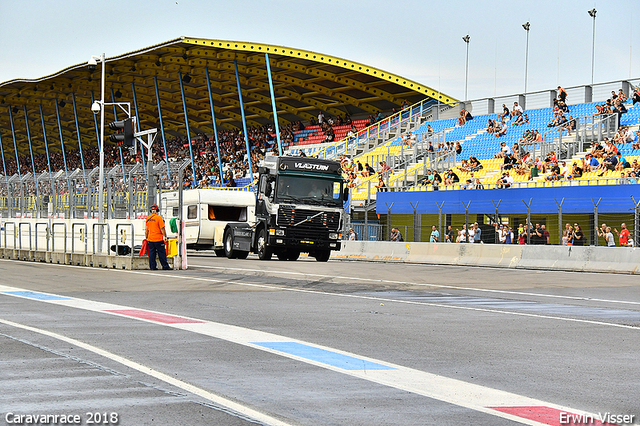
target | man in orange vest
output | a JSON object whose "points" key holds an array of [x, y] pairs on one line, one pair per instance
{"points": [[156, 236]]}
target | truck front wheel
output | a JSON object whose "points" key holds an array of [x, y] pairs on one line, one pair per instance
{"points": [[323, 255], [264, 251]]}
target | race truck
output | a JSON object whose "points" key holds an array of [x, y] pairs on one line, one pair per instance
{"points": [[299, 209]]}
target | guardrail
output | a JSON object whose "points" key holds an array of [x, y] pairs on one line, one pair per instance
{"points": [[51, 242]]}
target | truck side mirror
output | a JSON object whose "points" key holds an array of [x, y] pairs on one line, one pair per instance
{"points": [[345, 194], [267, 190]]}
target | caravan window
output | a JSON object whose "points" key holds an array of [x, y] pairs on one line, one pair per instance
{"points": [[227, 213], [192, 212]]}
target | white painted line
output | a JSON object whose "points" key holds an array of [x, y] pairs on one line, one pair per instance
{"points": [[219, 400], [451, 287], [378, 299], [453, 391]]}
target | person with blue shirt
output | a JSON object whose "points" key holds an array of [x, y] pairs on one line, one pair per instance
{"points": [[435, 235]]}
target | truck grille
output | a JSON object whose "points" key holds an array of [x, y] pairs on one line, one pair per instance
{"points": [[325, 221]]}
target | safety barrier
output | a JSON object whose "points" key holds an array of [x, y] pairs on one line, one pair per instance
{"points": [[49, 241], [565, 258]]}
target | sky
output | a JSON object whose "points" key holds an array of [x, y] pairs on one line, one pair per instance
{"points": [[418, 40]]}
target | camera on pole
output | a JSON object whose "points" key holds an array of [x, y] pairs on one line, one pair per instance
{"points": [[124, 137]]}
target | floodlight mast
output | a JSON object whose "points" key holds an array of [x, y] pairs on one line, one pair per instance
{"points": [[151, 184]]}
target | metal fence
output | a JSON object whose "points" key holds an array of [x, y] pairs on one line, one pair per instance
{"points": [[417, 227], [74, 195]]}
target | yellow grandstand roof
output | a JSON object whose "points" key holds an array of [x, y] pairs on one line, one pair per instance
{"points": [[305, 83]]}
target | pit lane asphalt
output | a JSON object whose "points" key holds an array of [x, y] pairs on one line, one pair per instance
{"points": [[568, 338]]}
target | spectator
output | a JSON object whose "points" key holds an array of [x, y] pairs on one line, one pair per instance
{"points": [[517, 109], [449, 235], [623, 235], [352, 235], [381, 186], [435, 235], [562, 94], [395, 235], [611, 242], [577, 236]]}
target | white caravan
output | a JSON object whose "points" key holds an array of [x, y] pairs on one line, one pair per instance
{"points": [[206, 212]]}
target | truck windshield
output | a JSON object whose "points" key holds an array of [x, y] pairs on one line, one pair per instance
{"points": [[303, 189]]}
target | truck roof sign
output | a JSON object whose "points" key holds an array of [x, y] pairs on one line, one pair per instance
{"points": [[306, 164]]}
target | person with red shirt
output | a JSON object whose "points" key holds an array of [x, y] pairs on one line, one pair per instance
{"points": [[623, 235], [156, 236]]}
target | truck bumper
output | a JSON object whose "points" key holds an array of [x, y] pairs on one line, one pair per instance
{"points": [[304, 245]]}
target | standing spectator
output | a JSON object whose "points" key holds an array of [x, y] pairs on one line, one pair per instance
{"points": [[577, 236], [449, 236], [545, 234], [352, 235], [611, 242], [395, 235], [562, 94], [477, 236], [435, 235], [502, 234], [623, 235]]}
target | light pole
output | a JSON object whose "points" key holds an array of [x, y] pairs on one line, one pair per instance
{"points": [[466, 73], [526, 57], [98, 106], [592, 13]]}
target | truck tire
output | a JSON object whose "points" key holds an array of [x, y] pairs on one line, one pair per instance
{"points": [[293, 255], [264, 251], [323, 255], [228, 246]]}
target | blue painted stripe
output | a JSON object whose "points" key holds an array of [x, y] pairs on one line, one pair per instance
{"points": [[324, 356], [35, 295]]}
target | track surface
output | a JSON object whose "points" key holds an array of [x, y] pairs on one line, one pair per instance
{"points": [[240, 342]]}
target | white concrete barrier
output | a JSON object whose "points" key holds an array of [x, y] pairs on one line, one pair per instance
{"points": [[587, 259], [373, 250]]}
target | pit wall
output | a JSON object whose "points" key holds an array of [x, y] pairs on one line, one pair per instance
{"points": [[566, 258]]}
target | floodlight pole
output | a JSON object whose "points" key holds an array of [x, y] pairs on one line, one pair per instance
{"points": [[151, 188], [526, 60], [101, 164], [466, 39], [592, 13]]}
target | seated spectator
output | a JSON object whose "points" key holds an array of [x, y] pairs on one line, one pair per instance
{"points": [[506, 114], [381, 186], [504, 151], [429, 130], [622, 163], [458, 148], [571, 125], [505, 181], [451, 177], [621, 95], [503, 129], [474, 164], [519, 119], [591, 163], [576, 171], [517, 109], [385, 169], [490, 126], [437, 180], [636, 95], [509, 162]]}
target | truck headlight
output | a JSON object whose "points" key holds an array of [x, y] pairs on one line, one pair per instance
{"points": [[333, 235], [280, 232]]}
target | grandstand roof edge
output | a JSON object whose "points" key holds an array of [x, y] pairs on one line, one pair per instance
{"points": [[322, 58]]}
